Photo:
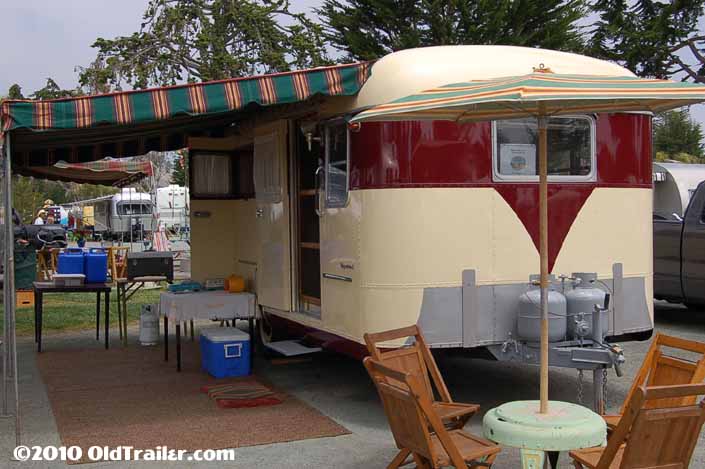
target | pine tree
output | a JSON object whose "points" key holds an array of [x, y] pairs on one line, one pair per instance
{"points": [[678, 137], [369, 29]]}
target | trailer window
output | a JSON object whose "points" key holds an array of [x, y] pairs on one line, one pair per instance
{"points": [[336, 141], [571, 149], [134, 209], [221, 175]]}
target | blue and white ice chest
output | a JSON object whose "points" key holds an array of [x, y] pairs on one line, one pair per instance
{"points": [[225, 352]]}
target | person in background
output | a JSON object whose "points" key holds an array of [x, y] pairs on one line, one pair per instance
{"points": [[40, 217], [16, 219], [51, 220]]}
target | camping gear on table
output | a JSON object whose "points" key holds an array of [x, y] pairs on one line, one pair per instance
{"points": [[149, 325], [41, 236], [184, 287], [96, 265], [71, 261], [225, 352], [150, 264], [69, 280], [235, 284]]}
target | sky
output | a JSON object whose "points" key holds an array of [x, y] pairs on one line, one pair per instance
{"points": [[50, 38]]}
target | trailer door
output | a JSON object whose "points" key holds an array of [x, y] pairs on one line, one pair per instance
{"points": [[272, 216]]}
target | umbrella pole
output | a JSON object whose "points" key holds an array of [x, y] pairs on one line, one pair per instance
{"points": [[543, 255]]}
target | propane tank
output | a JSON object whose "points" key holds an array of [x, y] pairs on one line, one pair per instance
{"points": [[149, 325], [529, 319], [581, 302]]}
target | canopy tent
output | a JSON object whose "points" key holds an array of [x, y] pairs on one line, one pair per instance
{"points": [[107, 172], [131, 123], [540, 94]]}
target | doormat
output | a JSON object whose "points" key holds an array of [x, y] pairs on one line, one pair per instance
{"points": [[131, 397], [241, 394]]}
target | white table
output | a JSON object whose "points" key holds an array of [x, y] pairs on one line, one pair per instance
{"points": [[217, 304]]}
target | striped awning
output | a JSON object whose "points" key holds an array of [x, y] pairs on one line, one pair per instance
{"points": [[108, 171], [131, 123], [540, 92], [141, 106]]}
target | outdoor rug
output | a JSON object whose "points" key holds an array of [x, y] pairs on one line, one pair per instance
{"points": [[131, 397]]}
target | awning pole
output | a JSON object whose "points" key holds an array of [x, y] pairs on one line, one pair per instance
{"points": [[543, 255], [10, 343]]}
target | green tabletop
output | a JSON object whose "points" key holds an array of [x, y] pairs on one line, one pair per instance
{"points": [[565, 427]]}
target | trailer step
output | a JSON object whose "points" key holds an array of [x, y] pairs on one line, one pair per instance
{"points": [[291, 348]]}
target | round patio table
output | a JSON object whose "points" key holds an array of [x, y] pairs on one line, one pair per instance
{"points": [[565, 427]]}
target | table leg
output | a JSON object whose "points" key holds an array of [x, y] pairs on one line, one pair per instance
{"points": [[119, 311], [97, 317], [36, 317], [251, 322], [178, 345], [124, 315], [553, 458], [107, 319], [192, 335], [166, 339], [532, 459], [40, 316]]}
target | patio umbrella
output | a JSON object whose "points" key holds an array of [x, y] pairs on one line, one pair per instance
{"points": [[540, 94]]}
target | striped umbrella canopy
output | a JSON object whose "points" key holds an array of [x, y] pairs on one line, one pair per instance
{"points": [[540, 94]]}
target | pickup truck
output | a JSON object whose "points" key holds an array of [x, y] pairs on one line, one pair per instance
{"points": [[679, 253]]}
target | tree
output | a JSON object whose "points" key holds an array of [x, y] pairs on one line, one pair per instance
{"points": [[15, 92], [199, 40], [678, 137], [180, 168], [649, 36], [369, 29], [53, 91]]}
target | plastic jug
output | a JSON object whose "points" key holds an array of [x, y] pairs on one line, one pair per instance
{"points": [[96, 265], [71, 261], [235, 284]]}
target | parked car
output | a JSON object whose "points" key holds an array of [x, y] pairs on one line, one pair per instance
{"points": [[679, 246]]}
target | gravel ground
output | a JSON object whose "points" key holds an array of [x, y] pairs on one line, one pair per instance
{"points": [[340, 388]]}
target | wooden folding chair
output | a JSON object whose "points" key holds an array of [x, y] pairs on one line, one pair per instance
{"points": [[418, 430], [416, 359], [648, 436], [661, 369]]}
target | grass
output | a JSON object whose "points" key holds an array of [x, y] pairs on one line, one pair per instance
{"points": [[76, 311]]}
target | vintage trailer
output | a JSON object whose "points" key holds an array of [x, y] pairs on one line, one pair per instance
{"points": [[126, 215], [343, 230], [173, 206]]}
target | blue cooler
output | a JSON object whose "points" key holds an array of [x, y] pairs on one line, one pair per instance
{"points": [[96, 265], [225, 352], [71, 261]]}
